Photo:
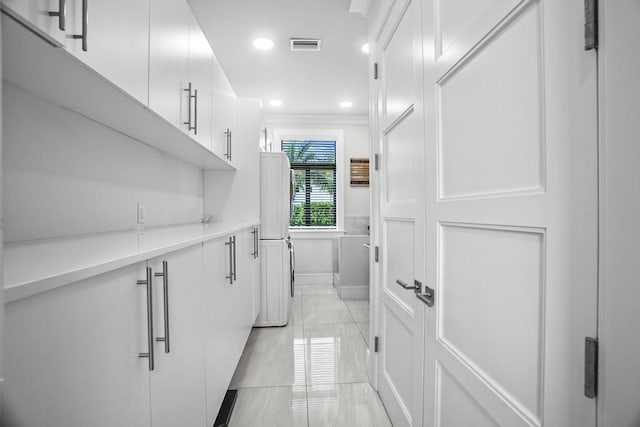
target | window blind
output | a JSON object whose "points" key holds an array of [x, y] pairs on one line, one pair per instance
{"points": [[314, 166]]}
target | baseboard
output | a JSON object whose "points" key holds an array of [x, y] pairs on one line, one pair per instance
{"points": [[224, 415], [314, 279], [354, 292]]}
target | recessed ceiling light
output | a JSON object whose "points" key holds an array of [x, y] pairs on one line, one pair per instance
{"points": [[365, 48], [275, 102], [346, 104], [263, 44]]}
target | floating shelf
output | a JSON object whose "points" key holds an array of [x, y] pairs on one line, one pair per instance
{"points": [[34, 62]]}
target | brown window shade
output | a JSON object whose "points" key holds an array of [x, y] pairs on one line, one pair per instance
{"points": [[359, 172]]}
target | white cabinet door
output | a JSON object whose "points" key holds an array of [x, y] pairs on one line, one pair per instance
{"points": [[224, 118], [169, 60], [177, 383], [201, 78], [252, 240], [217, 324], [38, 13], [72, 355], [117, 41]]}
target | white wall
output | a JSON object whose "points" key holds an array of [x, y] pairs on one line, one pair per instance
{"points": [[65, 175], [316, 253]]}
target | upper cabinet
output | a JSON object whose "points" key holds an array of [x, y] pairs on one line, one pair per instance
{"points": [[49, 16], [225, 110], [112, 37], [201, 81], [169, 61]]}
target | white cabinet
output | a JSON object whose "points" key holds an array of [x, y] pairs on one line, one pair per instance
{"points": [[177, 383], [201, 79], [252, 267], [169, 60], [224, 120], [228, 306], [116, 40], [71, 355], [39, 14]]}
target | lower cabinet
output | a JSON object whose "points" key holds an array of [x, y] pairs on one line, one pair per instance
{"points": [[71, 355], [91, 354]]}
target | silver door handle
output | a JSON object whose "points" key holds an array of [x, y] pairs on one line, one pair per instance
{"points": [[149, 286], [61, 14], [227, 135], [404, 284], [230, 276], [85, 25], [165, 291], [428, 297]]}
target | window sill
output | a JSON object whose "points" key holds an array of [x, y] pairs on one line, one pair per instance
{"points": [[315, 233]]}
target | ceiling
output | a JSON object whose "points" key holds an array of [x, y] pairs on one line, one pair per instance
{"points": [[309, 83]]}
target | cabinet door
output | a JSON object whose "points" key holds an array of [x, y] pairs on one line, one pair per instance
{"points": [[177, 383], [200, 74], [253, 271], [36, 12], [219, 365], [223, 121], [71, 355], [169, 60], [117, 35]]}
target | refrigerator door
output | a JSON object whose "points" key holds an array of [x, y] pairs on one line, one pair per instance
{"points": [[275, 263], [275, 195]]}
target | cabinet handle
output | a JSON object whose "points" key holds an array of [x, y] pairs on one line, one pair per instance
{"points": [[257, 242], [149, 286], [235, 270], [227, 135], [195, 113], [230, 145], [188, 122], [61, 14], [230, 276], [85, 25], [165, 291]]}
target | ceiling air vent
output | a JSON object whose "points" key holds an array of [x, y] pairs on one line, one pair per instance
{"points": [[309, 45]]}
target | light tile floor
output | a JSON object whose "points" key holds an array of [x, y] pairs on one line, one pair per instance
{"points": [[311, 372]]}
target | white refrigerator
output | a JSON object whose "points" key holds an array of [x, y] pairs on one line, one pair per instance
{"points": [[277, 256]]}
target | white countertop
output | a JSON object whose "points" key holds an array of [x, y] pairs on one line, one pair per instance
{"points": [[38, 266]]}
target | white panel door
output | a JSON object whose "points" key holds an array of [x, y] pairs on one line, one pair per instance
{"points": [[511, 214], [72, 354], [177, 383], [223, 123], [169, 60], [117, 41], [400, 321]]}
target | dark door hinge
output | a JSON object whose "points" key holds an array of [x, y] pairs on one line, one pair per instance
{"points": [[590, 367], [375, 71], [376, 161], [376, 344], [590, 24], [376, 254]]}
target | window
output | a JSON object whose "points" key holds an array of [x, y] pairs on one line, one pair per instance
{"points": [[314, 170]]}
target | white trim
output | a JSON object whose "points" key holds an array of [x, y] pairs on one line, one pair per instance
{"points": [[354, 292], [314, 279], [297, 234], [336, 135], [315, 119]]}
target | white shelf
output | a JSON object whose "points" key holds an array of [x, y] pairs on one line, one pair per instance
{"points": [[36, 63], [34, 267]]}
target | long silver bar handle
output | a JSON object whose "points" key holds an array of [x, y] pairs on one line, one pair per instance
{"points": [[149, 283], [61, 14], [165, 291], [235, 270], [227, 134], [188, 122], [230, 276], [404, 284], [85, 25], [195, 112], [257, 242], [230, 145]]}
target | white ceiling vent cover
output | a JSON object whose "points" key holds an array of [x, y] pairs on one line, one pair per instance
{"points": [[308, 45]]}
